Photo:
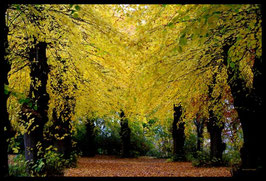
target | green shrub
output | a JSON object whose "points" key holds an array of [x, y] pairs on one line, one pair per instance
{"points": [[178, 158], [72, 161], [154, 153], [139, 144], [190, 147], [202, 159], [52, 164], [16, 144], [189, 156], [231, 158], [19, 167], [55, 163]]}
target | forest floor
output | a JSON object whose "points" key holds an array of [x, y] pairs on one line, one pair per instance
{"points": [[112, 166]]}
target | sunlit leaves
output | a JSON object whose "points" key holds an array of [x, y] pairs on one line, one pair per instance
{"points": [[139, 58]]}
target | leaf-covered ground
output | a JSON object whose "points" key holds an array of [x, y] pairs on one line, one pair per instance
{"points": [[111, 166]]}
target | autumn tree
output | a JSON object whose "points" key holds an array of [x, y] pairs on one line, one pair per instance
{"points": [[248, 101], [34, 110], [64, 105], [90, 145], [199, 122], [143, 59], [215, 128], [206, 29], [125, 135], [36, 21], [178, 134], [241, 55]]}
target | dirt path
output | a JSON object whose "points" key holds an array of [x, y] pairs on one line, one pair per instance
{"points": [[111, 166]]}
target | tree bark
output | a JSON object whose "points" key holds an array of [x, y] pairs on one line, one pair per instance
{"points": [[217, 145], [249, 104], [37, 106], [178, 134], [199, 122], [61, 127], [125, 135], [4, 120], [90, 138]]}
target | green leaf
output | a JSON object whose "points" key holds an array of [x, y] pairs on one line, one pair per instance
{"points": [[164, 5], [206, 16], [15, 150], [185, 18], [21, 101], [182, 39], [232, 65], [18, 7], [75, 15], [175, 19], [217, 12], [171, 25], [6, 92], [223, 30], [6, 89], [179, 49], [35, 107], [77, 8], [174, 49]]}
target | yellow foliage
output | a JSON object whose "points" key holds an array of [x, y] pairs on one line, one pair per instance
{"points": [[141, 59]]}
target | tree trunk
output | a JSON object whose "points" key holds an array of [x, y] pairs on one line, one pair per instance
{"points": [[249, 107], [90, 138], [199, 122], [125, 135], [249, 104], [4, 69], [61, 132], [37, 106], [217, 145], [178, 134]]}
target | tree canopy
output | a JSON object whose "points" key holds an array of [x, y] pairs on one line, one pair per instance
{"points": [[139, 59]]}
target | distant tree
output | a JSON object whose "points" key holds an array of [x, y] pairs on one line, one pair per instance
{"points": [[199, 122], [178, 134], [125, 135]]}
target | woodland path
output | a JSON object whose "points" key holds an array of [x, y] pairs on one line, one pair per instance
{"points": [[112, 166]]}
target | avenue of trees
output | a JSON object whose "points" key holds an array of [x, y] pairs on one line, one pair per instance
{"points": [[159, 74]]}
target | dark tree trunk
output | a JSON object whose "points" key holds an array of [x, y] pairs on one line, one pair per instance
{"points": [[90, 138], [37, 106], [199, 122], [178, 134], [62, 138], [217, 145], [249, 104], [4, 120], [125, 135]]}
